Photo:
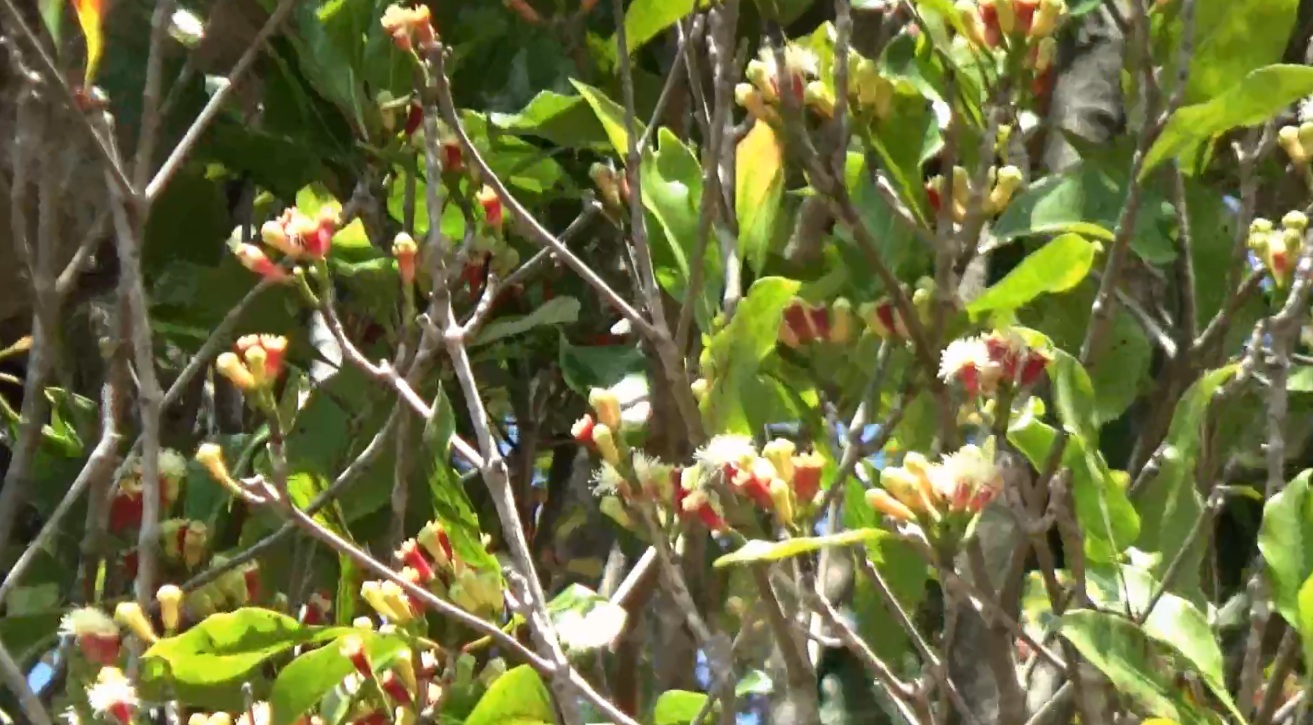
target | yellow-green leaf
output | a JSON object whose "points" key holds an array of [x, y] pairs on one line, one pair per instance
{"points": [[758, 550], [1056, 267], [611, 114], [758, 187]]}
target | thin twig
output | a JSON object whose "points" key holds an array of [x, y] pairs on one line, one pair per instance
{"points": [[216, 102], [17, 684]]}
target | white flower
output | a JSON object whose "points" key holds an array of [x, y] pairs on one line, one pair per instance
{"points": [[966, 473], [88, 621], [652, 474], [801, 60], [172, 464], [727, 449], [968, 352], [607, 480], [113, 695]]}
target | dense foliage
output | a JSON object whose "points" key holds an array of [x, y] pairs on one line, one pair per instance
{"points": [[660, 361]]}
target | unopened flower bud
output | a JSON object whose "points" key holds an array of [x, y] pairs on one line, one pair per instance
{"points": [[254, 259], [842, 321], [807, 468], [780, 454], [130, 615], [607, 407], [210, 456], [353, 648], [364, 623], [169, 597], [394, 687], [699, 389], [404, 249], [235, 371], [605, 443], [782, 499], [1047, 17], [582, 430], [880, 500], [818, 97], [492, 206], [1296, 220]]}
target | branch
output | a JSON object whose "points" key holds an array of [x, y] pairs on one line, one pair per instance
{"points": [[16, 682], [215, 104]]}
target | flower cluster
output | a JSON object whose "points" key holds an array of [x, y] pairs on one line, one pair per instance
{"points": [[185, 541], [997, 23], [883, 319], [870, 95], [409, 27], [779, 479], [768, 80], [1002, 185], [1278, 249], [125, 508], [428, 561], [295, 235], [805, 323], [963, 482], [983, 364], [256, 364]]}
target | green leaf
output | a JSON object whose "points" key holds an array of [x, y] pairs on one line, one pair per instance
{"points": [[758, 189], [451, 505], [904, 254], [556, 311], [1174, 621], [563, 120], [646, 18], [1056, 267], [1126, 656], [305, 681], [1305, 624], [584, 619], [24, 635], [1260, 96], [1224, 47], [678, 707], [1087, 200], [672, 194], [597, 366], [1102, 508], [736, 352], [1169, 503], [188, 222], [612, 116], [207, 664], [758, 550], [516, 698], [1285, 539], [1074, 394]]}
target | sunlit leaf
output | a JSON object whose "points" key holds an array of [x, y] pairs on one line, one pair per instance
{"points": [[758, 188], [308, 678], [1056, 267], [612, 116], [757, 550], [516, 698], [90, 14]]}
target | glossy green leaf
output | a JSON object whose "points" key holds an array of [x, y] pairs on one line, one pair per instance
{"points": [[451, 504], [1224, 47], [1105, 513], [584, 367], [1174, 622], [1087, 200], [672, 194], [556, 311], [644, 19], [1169, 503], [1285, 539], [563, 120], [516, 698], [1260, 96], [308, 678], [1074, 394], [758, 190], [758, 550], [1126, 656], [678, 707], [207, 664], [736, 352], [612, 116], [1056, 267]]}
